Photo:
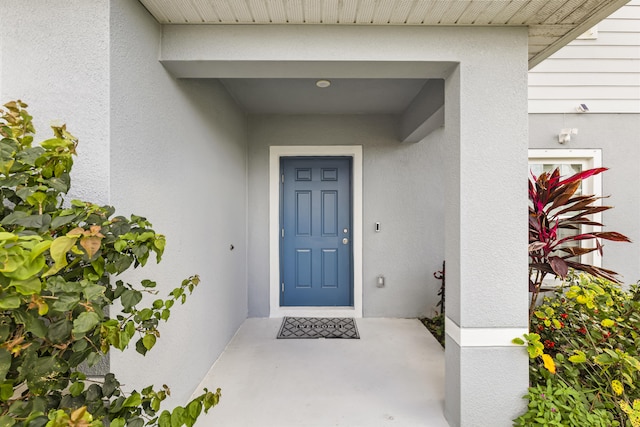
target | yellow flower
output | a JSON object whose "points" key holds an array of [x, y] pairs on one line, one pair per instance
{"points": [[549, 363], [617, 387], [634, 413]]}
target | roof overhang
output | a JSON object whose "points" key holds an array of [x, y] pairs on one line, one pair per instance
{"points": [[552, 24]]}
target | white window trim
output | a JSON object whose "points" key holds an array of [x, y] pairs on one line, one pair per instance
{"points": [[590, 158], [275, 152]]}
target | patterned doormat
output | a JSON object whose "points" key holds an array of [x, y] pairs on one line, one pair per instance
{"points": [[318, 327]]}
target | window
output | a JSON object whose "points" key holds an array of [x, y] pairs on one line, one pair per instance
{"points": [[571, 162]]}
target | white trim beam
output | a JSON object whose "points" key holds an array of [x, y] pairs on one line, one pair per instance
{"points": [[482, 337]]}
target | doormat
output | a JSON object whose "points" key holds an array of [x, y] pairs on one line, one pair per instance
{"points": [[318, 327]]}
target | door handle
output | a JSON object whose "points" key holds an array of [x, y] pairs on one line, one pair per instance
{"points": [[345, 241]]}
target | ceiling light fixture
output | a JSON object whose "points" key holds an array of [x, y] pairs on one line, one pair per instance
{"points": [[322, 83]]}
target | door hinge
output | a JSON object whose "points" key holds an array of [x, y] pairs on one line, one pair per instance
{"points": [[282, 287], [282, 178], [282, 233]]}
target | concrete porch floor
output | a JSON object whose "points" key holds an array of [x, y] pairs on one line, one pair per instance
{"points": [[392, 376]]}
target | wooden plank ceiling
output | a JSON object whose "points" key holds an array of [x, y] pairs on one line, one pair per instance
{"points": [[552, 23]]}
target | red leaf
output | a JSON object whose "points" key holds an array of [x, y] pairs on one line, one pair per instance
{"points": [[595, 271], [535, 246], [583, 175], [612, 235], [562, 195], [559, 266]]}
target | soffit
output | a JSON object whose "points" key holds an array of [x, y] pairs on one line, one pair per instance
{"points": [[552, 23]]}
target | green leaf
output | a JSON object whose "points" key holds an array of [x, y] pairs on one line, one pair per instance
{"points": [[160, 243], [27, 268], [93, 291], [110, 385], [94, 392], [85, 322], [65, 302], [76, 388], [579, 357], [6, 420], [6, 391], [130, 328], [4, 236], [59, 331], [120, 226], [145, 314], [59, 248], [145, 236], [98, 266], [37, 327], [148, 283], [194, 408], [603, 359], [93, 358], [135, 422], [118, 422], [53, 143], [165, 419], [178, 417], [149, 341], [39, 248], [27, 220], [130, 298], [59, 221], [517, 341], [5, 363], [27, 287], [140, 348], [10, 302], [132, 401]]}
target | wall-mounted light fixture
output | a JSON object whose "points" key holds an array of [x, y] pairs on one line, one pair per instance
{"points": [[565, 135], [322, 83]]}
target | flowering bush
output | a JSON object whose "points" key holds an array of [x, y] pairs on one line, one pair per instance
{"points": [[587, 338]]}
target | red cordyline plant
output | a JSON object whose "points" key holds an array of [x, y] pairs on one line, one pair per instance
{"points": [[554, 206]]}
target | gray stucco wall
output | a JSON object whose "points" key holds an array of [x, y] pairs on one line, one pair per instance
{"points": [[178, 156], [618, 135], [174, 151], [402, 190], [56, 59]]}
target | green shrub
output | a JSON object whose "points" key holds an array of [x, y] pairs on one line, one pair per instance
{"points": [[591, 330], [556, 404], [57, 261]]}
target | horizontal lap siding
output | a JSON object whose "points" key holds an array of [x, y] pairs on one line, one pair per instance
{"points": [[603, 73]]}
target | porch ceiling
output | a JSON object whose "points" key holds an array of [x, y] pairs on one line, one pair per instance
{"points": [[552, 23]]}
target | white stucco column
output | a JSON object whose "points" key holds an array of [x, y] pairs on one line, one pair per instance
{"points": [[485, 232]]}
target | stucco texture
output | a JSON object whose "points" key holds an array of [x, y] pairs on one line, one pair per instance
{"points": [[62, 72], [178, 157]]}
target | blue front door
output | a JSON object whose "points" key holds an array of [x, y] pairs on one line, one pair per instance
{"points": [[315, 219]]}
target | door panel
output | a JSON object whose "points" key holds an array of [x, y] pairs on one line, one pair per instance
{"points": [[316, 250]]}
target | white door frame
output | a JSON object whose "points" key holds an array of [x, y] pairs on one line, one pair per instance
{"points": [[275, 152]]}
